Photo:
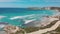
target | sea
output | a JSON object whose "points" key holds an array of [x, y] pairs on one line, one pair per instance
{"points": [[20, 16]]}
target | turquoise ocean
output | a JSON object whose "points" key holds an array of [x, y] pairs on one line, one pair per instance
{"points": [[24, 14]]}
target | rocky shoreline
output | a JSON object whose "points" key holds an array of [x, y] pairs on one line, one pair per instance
{"points": [[44, 8]]}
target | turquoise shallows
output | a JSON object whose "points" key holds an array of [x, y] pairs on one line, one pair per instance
{"points": [[25, 14]]}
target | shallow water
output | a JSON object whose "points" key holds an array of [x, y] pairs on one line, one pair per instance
{"points": [[24, 14]]}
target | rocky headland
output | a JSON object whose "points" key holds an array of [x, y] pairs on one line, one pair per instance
{"points": [[44, 8]]}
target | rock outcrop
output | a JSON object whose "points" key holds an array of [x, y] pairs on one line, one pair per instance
{"points": [[9, 29]]}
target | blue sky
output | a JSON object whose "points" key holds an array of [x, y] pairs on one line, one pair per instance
{"points": [[29, 3]]}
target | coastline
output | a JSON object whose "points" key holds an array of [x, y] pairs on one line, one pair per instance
{"points": [[43, 9]]}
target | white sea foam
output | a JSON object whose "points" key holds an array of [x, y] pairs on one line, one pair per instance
{"points": [[2, 25], [22, 17], [16, 17], [28, 21], [2, 17], [29, 15]]}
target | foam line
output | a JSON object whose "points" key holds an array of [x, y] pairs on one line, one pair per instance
{"points": [[28, 21]]}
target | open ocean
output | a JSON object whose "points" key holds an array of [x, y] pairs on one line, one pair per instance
{"points": [[20, 16]]}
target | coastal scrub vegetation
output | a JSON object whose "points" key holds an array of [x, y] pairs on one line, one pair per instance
{"points": [[31, 29]]}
